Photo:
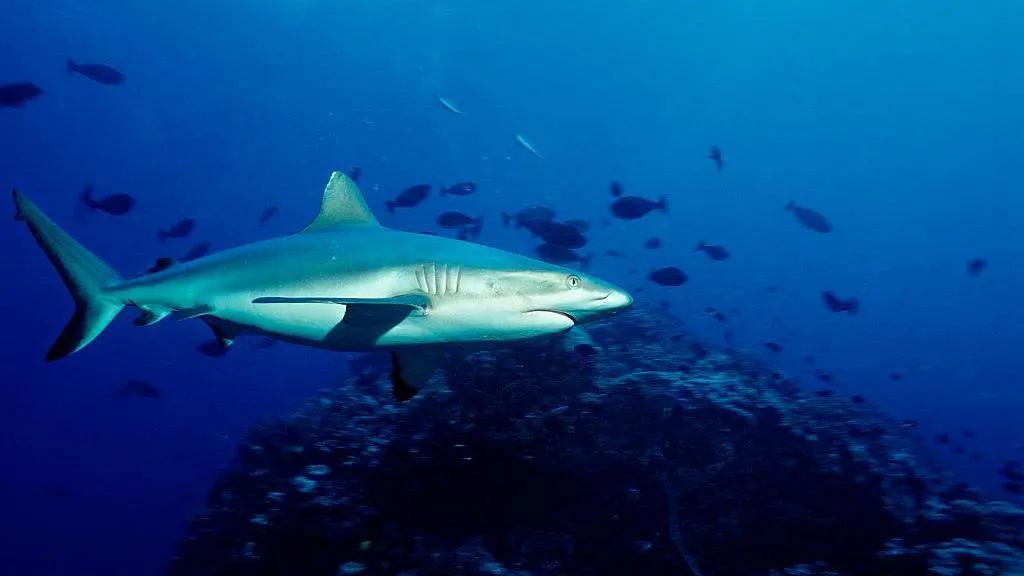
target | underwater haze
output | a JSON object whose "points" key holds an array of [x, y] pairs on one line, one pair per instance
{"points": [[736, 125]]}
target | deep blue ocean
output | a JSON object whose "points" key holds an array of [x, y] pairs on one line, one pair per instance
{"points": [[901, 122]]}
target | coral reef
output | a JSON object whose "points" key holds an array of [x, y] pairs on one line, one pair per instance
{"points": [[644, 453]]}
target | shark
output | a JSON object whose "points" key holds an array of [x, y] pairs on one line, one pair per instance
{"points": [[344, 282]]}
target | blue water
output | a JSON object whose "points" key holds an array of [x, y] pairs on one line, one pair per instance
{"points": [[900, 121]]}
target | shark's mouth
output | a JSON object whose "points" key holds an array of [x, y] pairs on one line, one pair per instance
{"points": [[559, 312]]}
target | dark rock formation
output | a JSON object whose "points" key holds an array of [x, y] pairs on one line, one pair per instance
{"points": [[651, 456]]}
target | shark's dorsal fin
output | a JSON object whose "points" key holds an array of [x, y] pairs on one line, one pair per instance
{"points": [[343, 205]]}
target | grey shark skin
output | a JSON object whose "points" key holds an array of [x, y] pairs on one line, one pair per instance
{"points": [[343, 283]]}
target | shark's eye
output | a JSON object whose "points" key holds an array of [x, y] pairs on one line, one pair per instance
{"points": [[573, 281]]}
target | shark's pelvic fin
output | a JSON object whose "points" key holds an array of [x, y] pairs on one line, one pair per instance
{"points": [[151, 315], [411, 368], [86, 277], [342, 205]]}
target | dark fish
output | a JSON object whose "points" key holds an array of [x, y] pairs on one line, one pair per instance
{"points": [[181, 229], [652, 243], [773, 346], [713, 251], [699, 350], [633, 207], [198, 251], [560, 234], [138, 389], [1014, 487], [668, 276], [579, 224], [268, 213], [809, 360], [823, 376], [529, 218], [729, 337], [715, 155], [115, 204], [212, 348], [557, 254], [97, 72], [942, 438], [410, 197], [837, 304], [968, 434], [616, 189], [825, 393], [459, 189], [810, 219], [895, 376], [458, 221], [15, 95], [716, 314], [161, 264], [976, 266], [857, 399], [1011, 470], [613, 253], [355, 173]]}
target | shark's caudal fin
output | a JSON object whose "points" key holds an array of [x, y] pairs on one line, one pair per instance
{"points": [[85, 275]]}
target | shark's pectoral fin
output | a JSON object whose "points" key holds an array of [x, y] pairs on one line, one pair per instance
{"points": [[411, 368]]}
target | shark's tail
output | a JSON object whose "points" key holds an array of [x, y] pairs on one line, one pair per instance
{"points": [[85, 275]]}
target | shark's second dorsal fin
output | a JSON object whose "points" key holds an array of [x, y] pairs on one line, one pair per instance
{"points": [[343, 205]]}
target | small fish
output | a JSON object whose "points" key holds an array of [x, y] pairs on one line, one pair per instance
{"points": [[823, 376], [557, 254], [1014, 487], [449, 105], [613, 253], [409, 197], [138, 389], [837, 304], [355, 173], [895, 376], [198, 251], [458, 221], [162, 263], [668, 276], [943, 438], [773, 346], [976, 266], [268, 213], [560, 234], [529, 147], [579, 224], [809, 360], [810, 219], [824, 393], [716, 314], [97, 73], [633, 207], [615, 188], [713, 251], [729, 337], [181, 229], [857, 399], [715, 155], [529, 218], [115, 204], [459, 189], [653, 243], [909, 424], [17, 94]]}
